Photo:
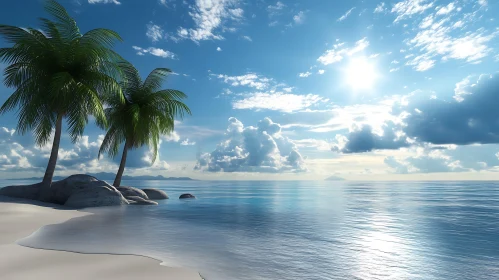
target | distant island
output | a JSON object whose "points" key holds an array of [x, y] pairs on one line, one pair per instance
{"points": [[111, 176], [334, 178]]}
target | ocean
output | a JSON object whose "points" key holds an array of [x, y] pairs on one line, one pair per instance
{"points": [[301, 230]]}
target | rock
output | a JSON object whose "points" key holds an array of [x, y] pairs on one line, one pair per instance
{"points": [[186, 195], [155, 194], [137, 200], [63, 189], [96, 196], [78, 191], [131, 191], [26, 191]]}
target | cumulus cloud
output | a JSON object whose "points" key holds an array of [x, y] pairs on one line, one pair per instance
{"points": [[365, 139], [339, 51], [219, 49], [20, 154], [253, 149], [470, 118], [155, 51], [210, 18]]}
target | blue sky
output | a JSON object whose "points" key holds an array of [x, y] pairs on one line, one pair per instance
{"points": [[378, 90]]}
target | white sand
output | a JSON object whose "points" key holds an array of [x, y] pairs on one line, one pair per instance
{"points": [[19, 220]]}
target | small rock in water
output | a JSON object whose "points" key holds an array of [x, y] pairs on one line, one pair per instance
{"points": [[186, 195], [155, 194], [137, 200]]}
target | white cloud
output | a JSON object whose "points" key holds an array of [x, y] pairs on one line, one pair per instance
{"points": [[424, 161], [276, 9], [210, 17], [320, 145], [439, 38], [304, 74], [380, 8], [446, 9], [344, 16], [172, 137], [408, 8], [299, 18], [253, 149], [278, 101], [219, 49], [321, 71], [104, 2], [251, 80], [248, 38], [186, 142], [338, 52], [154, 32], [155, 51], [482, 2]]}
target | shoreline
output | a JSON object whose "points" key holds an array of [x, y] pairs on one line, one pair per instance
{"points": [[21, 218]]}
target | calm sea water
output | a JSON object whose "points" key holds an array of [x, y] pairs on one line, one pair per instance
{"points": [[302, 230]]}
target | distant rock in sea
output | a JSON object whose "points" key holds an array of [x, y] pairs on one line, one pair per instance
{"points": [[334, 178], [186, 196]]}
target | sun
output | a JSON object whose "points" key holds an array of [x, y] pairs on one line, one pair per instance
{"points": [[360, 74]]}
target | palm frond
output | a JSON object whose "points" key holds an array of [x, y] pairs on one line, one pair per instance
{"points": [[65, 23], [156, 78]]}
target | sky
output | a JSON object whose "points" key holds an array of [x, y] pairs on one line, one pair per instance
{"points": [[296, 90]]}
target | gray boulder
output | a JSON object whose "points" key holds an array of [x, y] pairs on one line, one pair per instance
{"points": [[186, 196], [26, 191], [155, 194], [131, 191], [96, 196], [137, 200], [60, 191]]}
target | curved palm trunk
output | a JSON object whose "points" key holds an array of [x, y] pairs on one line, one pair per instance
{"points": [[117, 180], [49, 172]]}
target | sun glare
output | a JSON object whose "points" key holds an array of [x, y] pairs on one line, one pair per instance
{"points": [[360, 74]]}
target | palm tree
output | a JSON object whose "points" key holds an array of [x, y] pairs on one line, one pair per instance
{"points": [[143, 114], [58, 72]]}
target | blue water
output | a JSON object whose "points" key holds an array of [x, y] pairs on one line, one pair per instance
{"points": [[302, 230]]}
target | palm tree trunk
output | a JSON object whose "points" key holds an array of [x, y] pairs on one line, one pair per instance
{"points": [[49, 172], [117, 180]]}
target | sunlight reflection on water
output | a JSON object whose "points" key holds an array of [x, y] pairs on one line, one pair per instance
{"points": [[302, 230]]}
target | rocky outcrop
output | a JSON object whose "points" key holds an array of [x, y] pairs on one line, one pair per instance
{"points": [[96, 197], [60, 191], [155, 194], [186, 196], [77, 191], [137, 200], [26, 191], [131, 191]]}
